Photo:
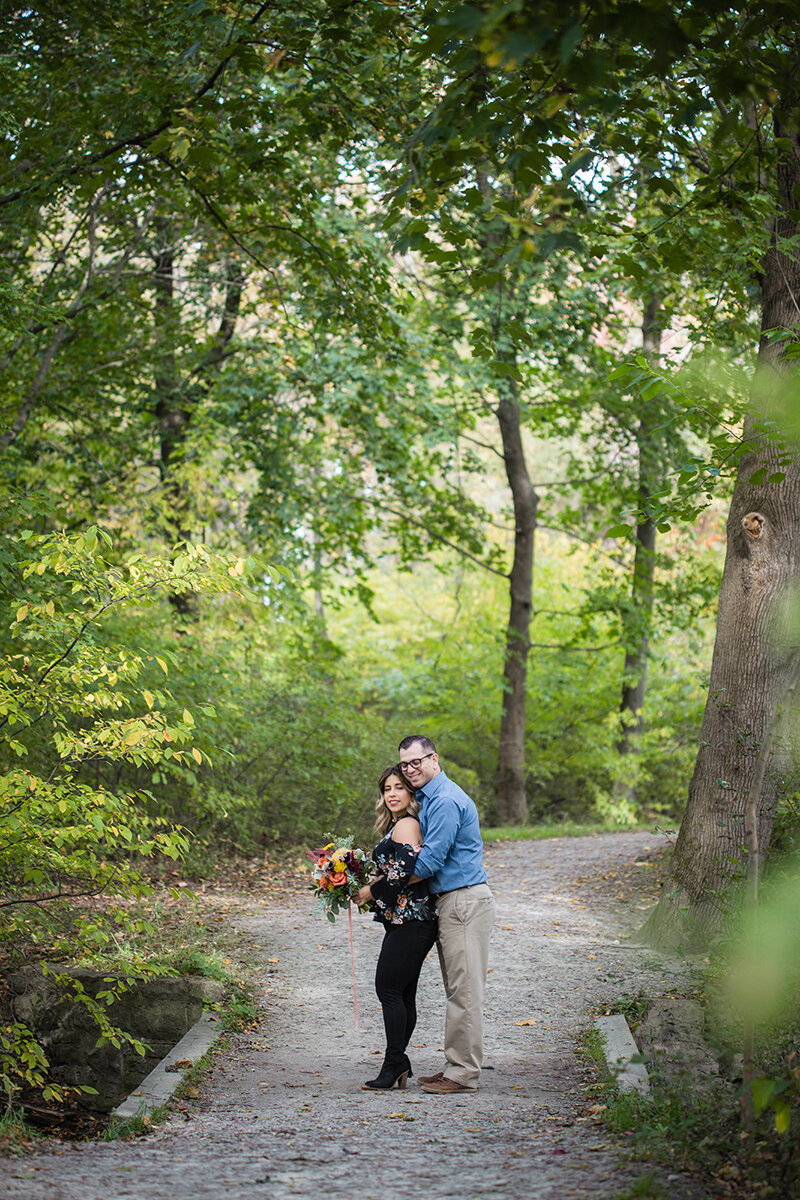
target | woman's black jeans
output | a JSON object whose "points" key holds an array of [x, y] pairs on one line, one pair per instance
{"points": [[396, 976]]}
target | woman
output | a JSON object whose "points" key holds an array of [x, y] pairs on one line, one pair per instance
{"points": [[409, 916]]}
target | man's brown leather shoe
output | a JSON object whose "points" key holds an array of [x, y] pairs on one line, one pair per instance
{"points": [[432, 1078], [445, 1087]]}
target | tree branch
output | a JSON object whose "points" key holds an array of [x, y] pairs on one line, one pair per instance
{"points": [[437, 537], [140, 140]]}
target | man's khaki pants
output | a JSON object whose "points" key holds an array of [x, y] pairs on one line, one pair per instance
{"points": [[466, 917]]}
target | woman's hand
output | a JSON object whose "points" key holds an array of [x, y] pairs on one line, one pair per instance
{"points": [[363, 896]]}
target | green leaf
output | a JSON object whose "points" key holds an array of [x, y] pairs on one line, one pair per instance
{"points": [[783, 1115], [762, 1089]]}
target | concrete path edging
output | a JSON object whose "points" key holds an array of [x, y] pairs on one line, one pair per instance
{"points": [[620, 1049], [158, 1087]]}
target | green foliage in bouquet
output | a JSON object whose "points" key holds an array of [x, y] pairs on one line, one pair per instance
{"points": [[339, 872]]}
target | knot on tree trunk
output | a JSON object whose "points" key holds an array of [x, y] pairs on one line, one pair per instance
{"points": [[753, 524]]}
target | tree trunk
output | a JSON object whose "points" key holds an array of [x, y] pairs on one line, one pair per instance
{"points": [[636, 623], [512, 805], [756, 648], [171, 416], [512, 808], [177, 398]]}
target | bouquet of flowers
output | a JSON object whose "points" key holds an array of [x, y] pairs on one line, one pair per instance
{"points": [[339, 872]]}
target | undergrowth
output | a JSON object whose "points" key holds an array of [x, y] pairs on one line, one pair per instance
{"points": [[683, 1127], [553, 829], [16, 1135]]}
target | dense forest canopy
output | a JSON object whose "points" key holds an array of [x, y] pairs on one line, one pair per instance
{"points": [[374, 367]]}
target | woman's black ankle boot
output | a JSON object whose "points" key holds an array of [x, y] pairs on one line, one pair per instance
{"points": [[391, 1074]]}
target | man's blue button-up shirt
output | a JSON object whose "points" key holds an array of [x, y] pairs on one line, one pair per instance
{"points": [[452, 851]]}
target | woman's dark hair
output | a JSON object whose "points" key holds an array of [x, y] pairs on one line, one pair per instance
{"points": [[384, 819]]}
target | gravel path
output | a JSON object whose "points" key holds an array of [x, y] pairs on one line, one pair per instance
{"points": [[281, 1113]]}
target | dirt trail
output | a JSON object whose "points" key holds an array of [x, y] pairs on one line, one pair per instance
{"points": [[282, 1113]]}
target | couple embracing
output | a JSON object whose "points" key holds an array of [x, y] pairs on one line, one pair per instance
{"points": [[430, 887]]}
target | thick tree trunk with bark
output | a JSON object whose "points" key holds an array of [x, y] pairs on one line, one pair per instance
{"points": [[636, 633], [756, 649], [512, 808]]}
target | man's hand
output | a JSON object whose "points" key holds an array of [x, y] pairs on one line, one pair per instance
{"points": [[363, 896]]}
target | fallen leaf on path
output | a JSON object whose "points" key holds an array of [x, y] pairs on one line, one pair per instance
{"points": [[530, 1021], [273, 960]]}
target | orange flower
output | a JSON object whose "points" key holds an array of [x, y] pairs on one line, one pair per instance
{"points": [[324, 882], [339, 878]]}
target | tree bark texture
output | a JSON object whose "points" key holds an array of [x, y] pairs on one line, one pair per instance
{"points": [[512, 805], [176, 397], [512, 808], [636, 625], [172, 417], [756, 647]]}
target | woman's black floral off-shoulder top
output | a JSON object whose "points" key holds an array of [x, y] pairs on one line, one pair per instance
{"points": [[397, 901]]}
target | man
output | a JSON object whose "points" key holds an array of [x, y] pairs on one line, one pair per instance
{"points": [[452, 859]]}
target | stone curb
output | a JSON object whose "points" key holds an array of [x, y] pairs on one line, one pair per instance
{"points": [[619, 1049], [157, 1088]]}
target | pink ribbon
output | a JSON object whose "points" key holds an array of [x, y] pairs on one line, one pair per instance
{"points": [[353, 958]]}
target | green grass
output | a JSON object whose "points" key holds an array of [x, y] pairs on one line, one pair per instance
{"points": [[123, 1129], [646, 1187], [591, 1045], [239, 1011], [15, 1133], [553, 829], [632, 1008]]}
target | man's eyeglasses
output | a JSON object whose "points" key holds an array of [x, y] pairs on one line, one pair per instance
{"points": [[416, 763]]}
